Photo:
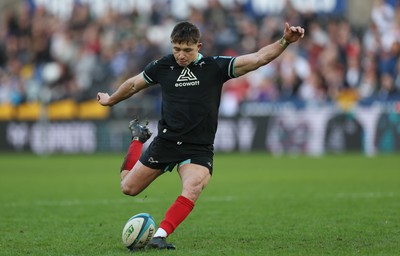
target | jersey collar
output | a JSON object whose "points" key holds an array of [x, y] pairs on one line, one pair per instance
{"points": [[199, 57]]}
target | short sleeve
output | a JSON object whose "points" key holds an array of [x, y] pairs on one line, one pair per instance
{"points": [[150, 73], [226, 64]]}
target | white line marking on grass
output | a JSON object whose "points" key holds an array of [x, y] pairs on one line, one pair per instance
{"points": [[218, 198], [366, 195], [147, 200], [75, 202]]}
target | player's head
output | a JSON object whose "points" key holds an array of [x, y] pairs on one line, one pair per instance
{"points": [[185, 32], [185, 39]]}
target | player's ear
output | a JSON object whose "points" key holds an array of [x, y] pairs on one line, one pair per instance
{"points": [[199, 45]]}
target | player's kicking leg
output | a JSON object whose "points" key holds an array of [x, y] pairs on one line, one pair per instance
{"points": [[135, 177], [140, 134]]}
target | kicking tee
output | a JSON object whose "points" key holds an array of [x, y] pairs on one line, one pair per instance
{"points": [[190, 96]]}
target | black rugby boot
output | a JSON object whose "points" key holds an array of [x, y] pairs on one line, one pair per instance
{"points": [[139, 132], [160, 243]]}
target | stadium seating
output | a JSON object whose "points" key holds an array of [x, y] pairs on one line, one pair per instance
{"points": [[7, 112], [92, 110], [67, 109], [62, 110], [29, 111]]}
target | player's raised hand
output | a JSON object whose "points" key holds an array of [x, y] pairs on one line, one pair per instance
{"points": [[292, 33]]}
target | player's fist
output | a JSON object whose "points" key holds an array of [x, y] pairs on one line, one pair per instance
{"points": [[103, 98]]}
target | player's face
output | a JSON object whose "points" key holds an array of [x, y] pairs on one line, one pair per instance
{"points": [[185, 53]]}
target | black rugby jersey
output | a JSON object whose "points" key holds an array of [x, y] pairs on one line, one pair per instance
{"points": [[190, 96]]}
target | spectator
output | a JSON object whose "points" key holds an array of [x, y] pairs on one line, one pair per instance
{"points": [[388, 91], [313, 89], [368, 84]]}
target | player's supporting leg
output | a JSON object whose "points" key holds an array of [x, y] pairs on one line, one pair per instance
{"points": [[140, 134], [194, 180]]}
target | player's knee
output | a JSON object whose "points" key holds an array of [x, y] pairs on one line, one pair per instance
{"points": [[128, 189]]}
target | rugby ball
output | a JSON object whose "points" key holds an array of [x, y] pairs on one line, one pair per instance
{"points": [[138, 231]]}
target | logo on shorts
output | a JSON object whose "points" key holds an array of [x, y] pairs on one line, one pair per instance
{"points": [[186, 78], [151, 160]]}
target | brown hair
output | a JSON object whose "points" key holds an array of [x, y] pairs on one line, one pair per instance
{"points": [[185, 32]]}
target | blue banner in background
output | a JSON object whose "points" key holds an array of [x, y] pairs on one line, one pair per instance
{"points": [[262, 7], [394, 3]]}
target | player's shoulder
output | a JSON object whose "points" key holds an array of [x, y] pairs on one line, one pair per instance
{"points": [[216, 58], [220, 59], [165, 60]]}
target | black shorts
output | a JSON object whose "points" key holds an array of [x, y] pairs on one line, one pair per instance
{"points": [[165, 154]]}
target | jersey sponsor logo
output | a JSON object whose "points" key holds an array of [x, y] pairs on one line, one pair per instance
{"points": [[186, 78]]}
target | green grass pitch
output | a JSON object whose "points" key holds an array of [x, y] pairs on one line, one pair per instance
{"points": [[255, 204]]}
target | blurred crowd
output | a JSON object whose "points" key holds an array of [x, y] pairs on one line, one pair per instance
{"points": [[46, 57]]}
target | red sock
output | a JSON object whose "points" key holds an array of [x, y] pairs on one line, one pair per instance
{"points": [[176, 214], [133, 155]]}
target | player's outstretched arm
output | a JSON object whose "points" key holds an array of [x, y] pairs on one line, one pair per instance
{"points": [[252, 61], [124, 91]]}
